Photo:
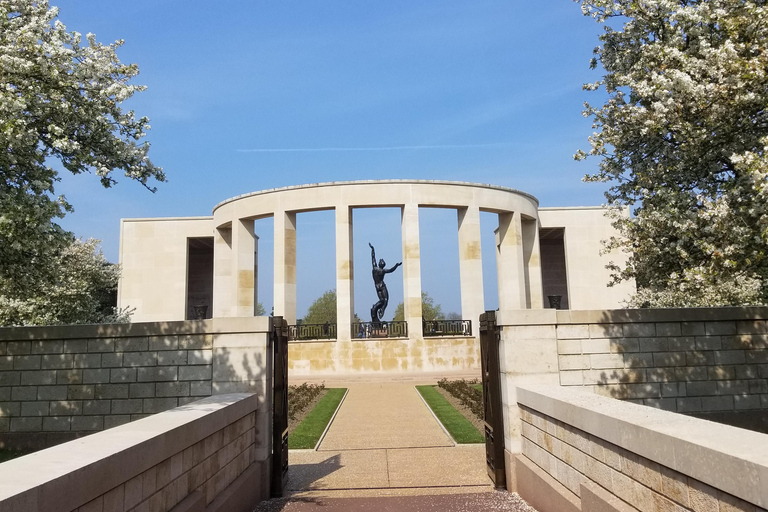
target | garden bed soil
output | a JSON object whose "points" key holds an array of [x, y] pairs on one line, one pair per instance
{"points": [[463, 410]]}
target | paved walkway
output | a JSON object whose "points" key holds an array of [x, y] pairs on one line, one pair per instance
{"points": [[384, 442], [481, 502], [384, 416]]}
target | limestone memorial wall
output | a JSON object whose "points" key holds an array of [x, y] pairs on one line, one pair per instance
{"points": [[686, 360], [588, 453], [61, 382], [202, 456], [696, 360], [571, 447], [458, 355]]}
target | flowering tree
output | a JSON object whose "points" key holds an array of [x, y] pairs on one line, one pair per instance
{"points": [[59, 101], [683, 140], [81, 291]]}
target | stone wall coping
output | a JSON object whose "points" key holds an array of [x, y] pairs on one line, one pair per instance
{"points": [[69, 475], [731, 459], [520, 317], [185, 327], [167, 219], [663, 315], [376, 183], [569, 208], [614, 316]]}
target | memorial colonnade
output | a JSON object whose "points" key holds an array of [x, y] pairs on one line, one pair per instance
{"points": [[518, 259]]}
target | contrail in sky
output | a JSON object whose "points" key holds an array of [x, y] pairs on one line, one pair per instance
{"points": [[383, 148]]}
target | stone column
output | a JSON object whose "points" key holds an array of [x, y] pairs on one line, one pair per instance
{"points": [[243, 256], [222, 272], [470, 266], [411, 270], [344, 274], [534, 290], [509, 262], [285, 266]]}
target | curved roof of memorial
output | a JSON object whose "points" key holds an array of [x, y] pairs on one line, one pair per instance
{"points": [[375, 182]]}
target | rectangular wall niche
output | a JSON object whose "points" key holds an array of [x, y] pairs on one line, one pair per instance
{"points": [[553, 269], [199, 277]]}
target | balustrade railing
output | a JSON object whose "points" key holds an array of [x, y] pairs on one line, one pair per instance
{"points": [[326, 331], [447, 327], [394, 329], [380, 329]]}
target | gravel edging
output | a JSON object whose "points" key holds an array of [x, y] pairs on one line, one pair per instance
{"points": [[463, 410]]}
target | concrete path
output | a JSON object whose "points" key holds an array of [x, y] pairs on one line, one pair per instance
{"points": [[384, 416], [385, 441]]}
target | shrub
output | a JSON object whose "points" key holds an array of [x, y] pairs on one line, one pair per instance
{"points": [[299, 397], [464, 391]]}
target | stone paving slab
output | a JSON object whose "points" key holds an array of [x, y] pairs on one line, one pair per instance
{"points": [[501, 501], [383, 415], [426, 467], [379, 469], [354, 469], [389, 492]]}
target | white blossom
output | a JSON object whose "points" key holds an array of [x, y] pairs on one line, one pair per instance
{"points": [[59, 100], [683, 140], [78, 294]]}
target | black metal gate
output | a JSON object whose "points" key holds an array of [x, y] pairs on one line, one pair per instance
{"points": [[279, 339], [493, 413]]}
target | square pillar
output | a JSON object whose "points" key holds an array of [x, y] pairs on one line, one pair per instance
{"points": [[534, 290], [222, 272], [411, 270], [470, 266], [243, 266], [509, 262], [285, 266], [344, 274]]}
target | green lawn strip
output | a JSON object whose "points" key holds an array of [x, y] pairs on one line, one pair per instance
{"points": [[457, 425], [309, 431]]}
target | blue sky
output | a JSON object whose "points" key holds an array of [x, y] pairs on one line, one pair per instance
{"points": [[249, 95]]}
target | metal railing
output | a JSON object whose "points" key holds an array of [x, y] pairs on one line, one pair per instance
{"points": [[394, 329], [447, 327], [380, 329], [326, 331]]}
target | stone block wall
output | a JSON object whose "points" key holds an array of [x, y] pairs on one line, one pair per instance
{"points": [[91, 384], [573, 457], [711, 362], [686, 360], [635, 458], [316, 359], [202, 456], [61, 382]]}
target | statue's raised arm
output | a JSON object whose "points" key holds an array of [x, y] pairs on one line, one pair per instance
{"points": [[373, 255], [390, 270]]}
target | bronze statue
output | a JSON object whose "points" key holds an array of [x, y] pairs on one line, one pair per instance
{"points": [[377, 310]]}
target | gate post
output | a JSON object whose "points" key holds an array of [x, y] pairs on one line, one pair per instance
{"points": [[493, 412], [279, 340]]}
